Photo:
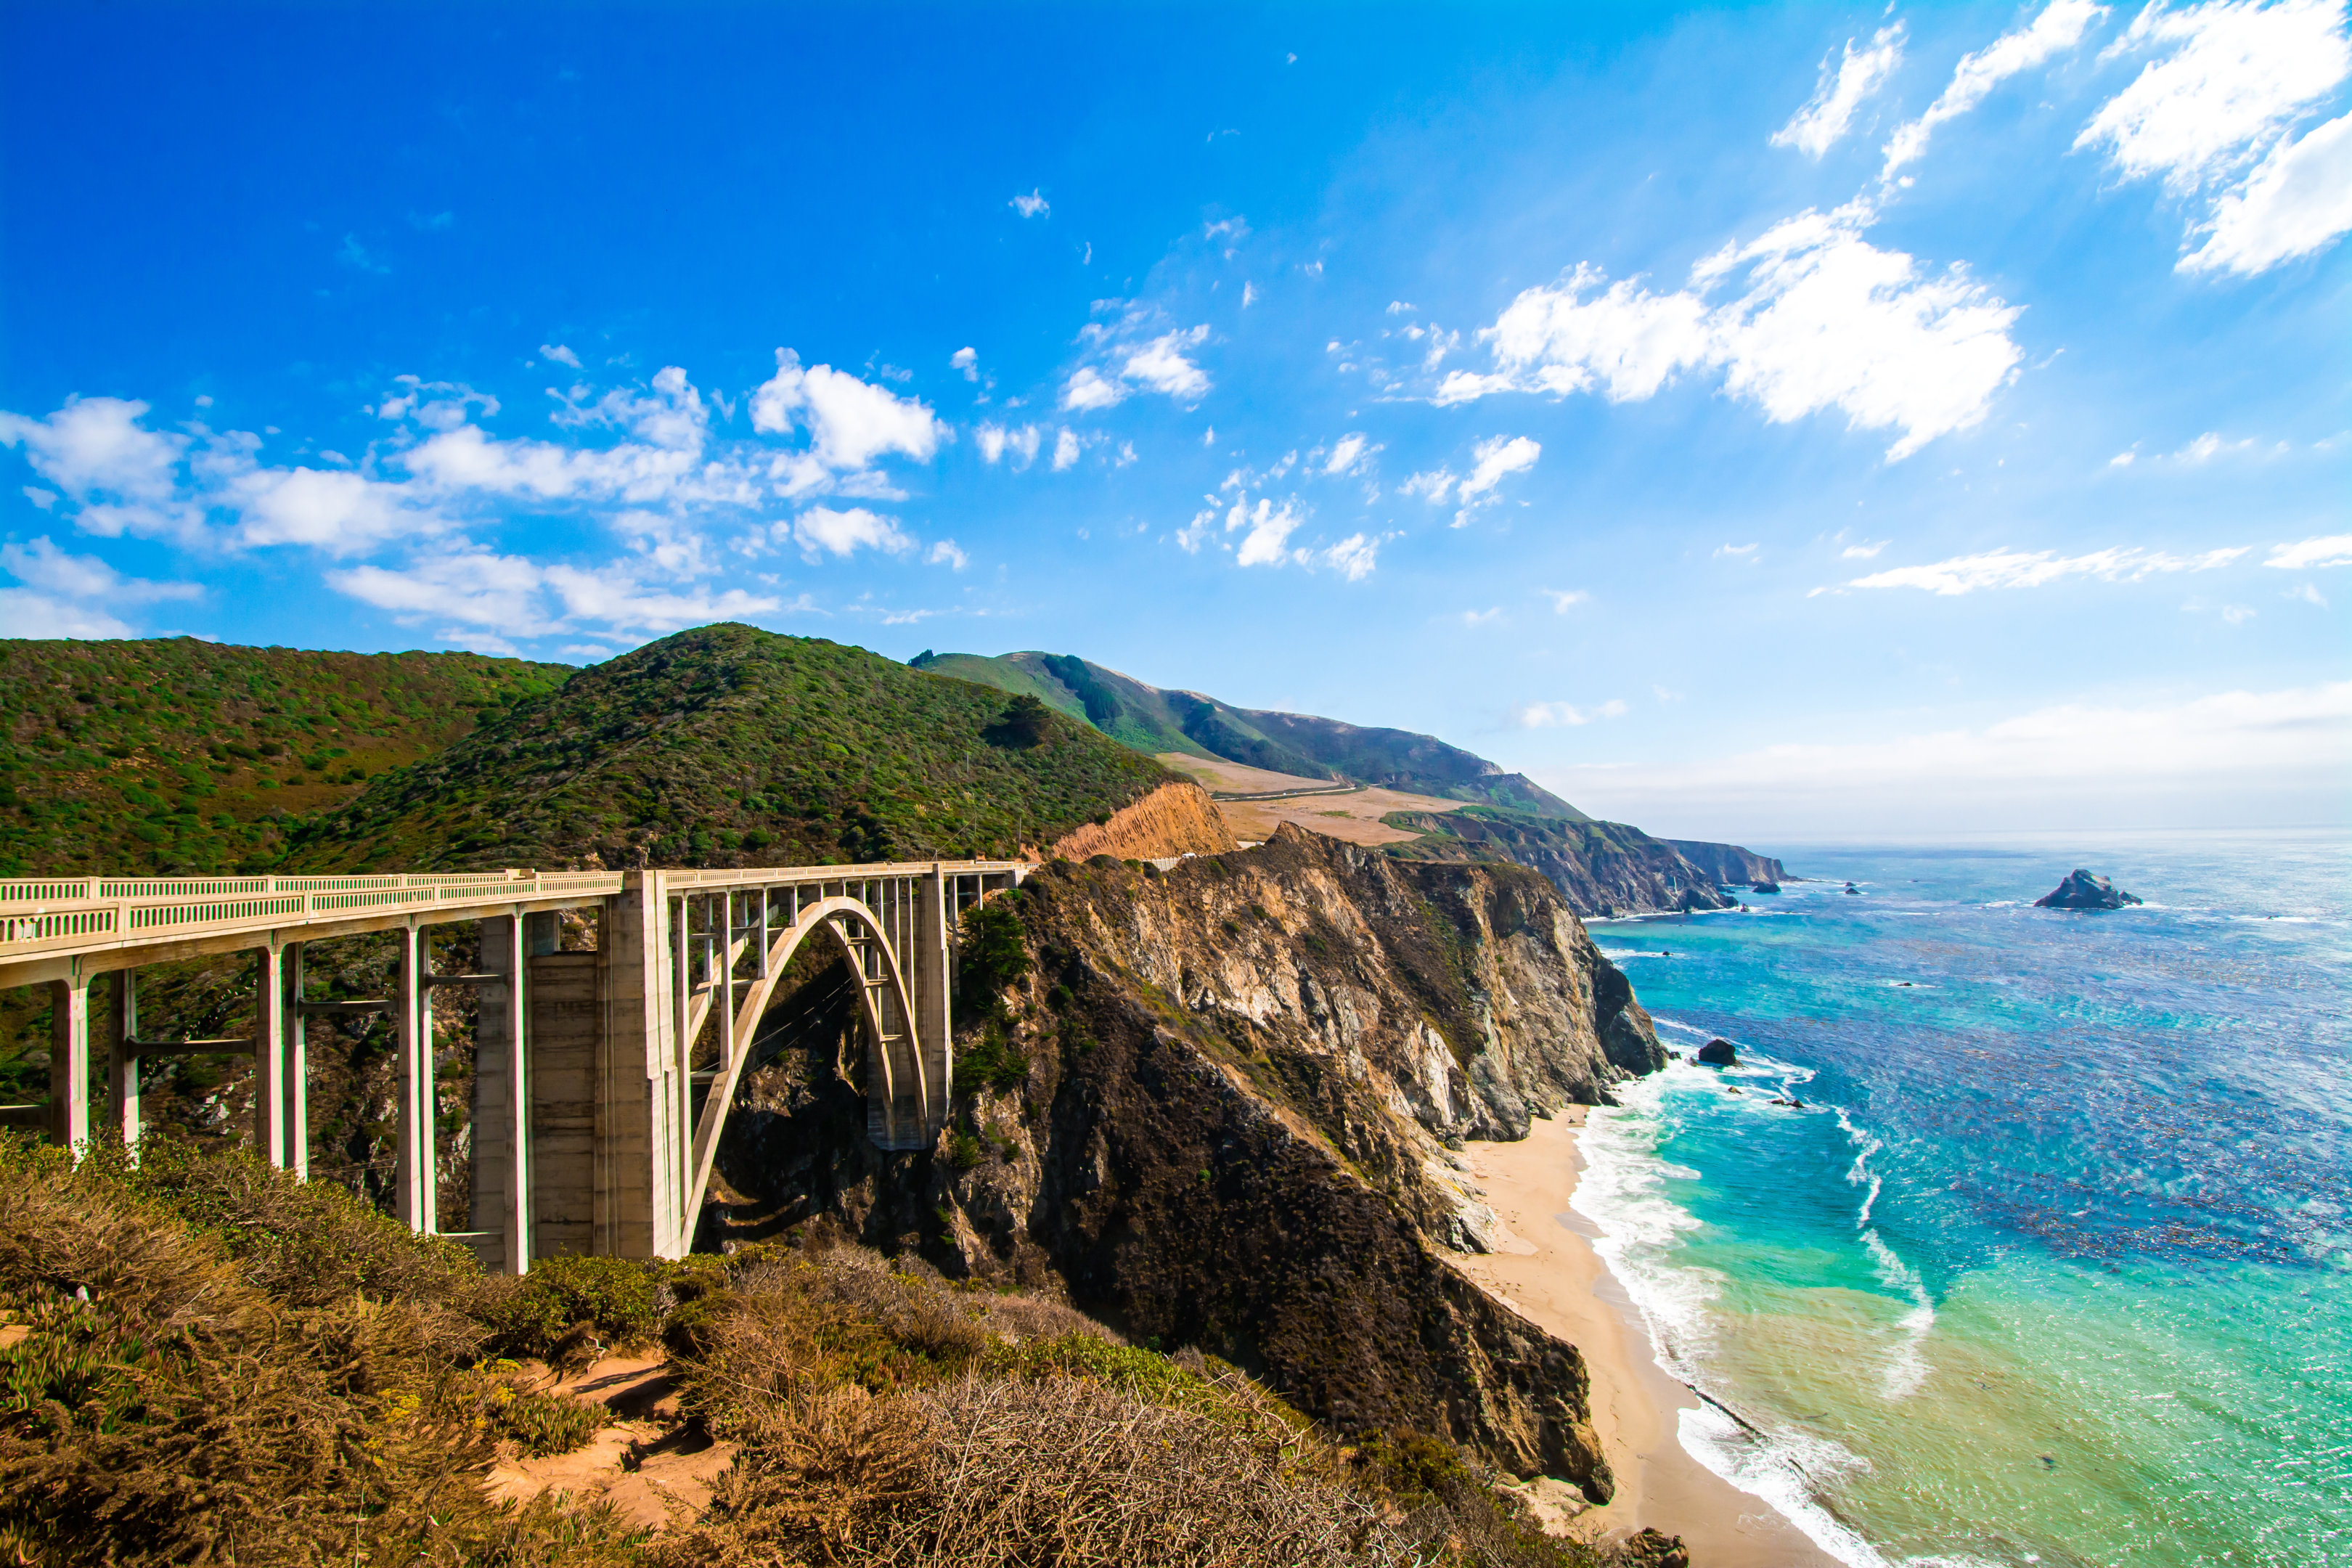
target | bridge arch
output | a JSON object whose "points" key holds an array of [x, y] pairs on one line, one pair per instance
{"points": [[898, 1091]]}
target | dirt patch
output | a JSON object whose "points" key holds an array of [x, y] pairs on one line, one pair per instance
{"points": [[1175, 819], [1354, 817], [654, 1467]]}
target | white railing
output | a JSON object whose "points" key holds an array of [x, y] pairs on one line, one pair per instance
{"points": [[52, 914]]}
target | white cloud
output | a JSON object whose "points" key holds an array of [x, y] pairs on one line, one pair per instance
{"points": [[1558, 715], [2060, 28], [2330, 550], [476, 587], [2237, 614], [822, 529], [1432, 486], [1269, 529], [1497, 459], [2020, 569], [1347, 452], [2298, 199], [996, 440], [1249, 295], [95, 451], [1818, 125], [1209, 436], [1354, 556], [1065, 449], [62, 592], [2123, 459], [1161, 365], [2209, 445], [1476, 618], [1563, 598], [948, 553], [673, 417], [438, 404], [559, 354], [2215, 113], [1863, 552], [1401, 307], [1033, 205], [850, 422], [1739, 551], [2225, 759], [1087, 389], [1125, 454], [328, 509], [2308, 593], [966, 359], [1828, 320]]}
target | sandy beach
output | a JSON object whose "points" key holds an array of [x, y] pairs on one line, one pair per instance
{"points": [[1548, 1271]]}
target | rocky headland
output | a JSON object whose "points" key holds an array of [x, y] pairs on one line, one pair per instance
{"points": [[1222, 1107], [1731, 866]]}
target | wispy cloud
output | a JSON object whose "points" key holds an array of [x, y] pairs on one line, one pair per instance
{"points": [[1828, 321], [1843, 87], [2328, 550], [2059, 27], [2213, 113], [1564, 715], [2020, 569], [1033, 205]]}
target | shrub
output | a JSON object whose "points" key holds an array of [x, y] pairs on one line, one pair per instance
{"points": [[545, 1423], [992, 948], [994, 1061], [622, 1298]]}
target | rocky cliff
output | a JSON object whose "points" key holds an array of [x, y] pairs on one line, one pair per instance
{"points": [[1175, 819], [1221, 1106], [1600, 868], [1730, 865]]}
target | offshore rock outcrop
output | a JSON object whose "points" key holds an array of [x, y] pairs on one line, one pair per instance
{"points": [[2083, 891], [1227, 1104], [1600, 868]]}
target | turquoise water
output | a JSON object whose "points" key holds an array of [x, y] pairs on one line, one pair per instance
{"points": [[2054, 1263]]}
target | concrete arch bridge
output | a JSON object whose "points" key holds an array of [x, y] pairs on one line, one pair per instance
{"points": [[602, 1079]]}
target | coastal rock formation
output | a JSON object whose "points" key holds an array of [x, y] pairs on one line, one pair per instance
{"points": [[1718, 1053], [1221, 1109], [2082, 891], [1600, 868], [1731, 866], [1175, 819]]}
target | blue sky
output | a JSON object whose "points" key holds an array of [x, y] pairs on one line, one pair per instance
{"points": [[1770, 422]]}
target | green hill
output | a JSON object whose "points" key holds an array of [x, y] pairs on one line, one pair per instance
{"points": [[1154, 719], [728, 745], [177, 757]]}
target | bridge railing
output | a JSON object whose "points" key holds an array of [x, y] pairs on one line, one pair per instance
{"points": [[49, 914]]}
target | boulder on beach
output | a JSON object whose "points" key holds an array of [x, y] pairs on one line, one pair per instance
{"points": [[2085, 891], [1718, 1053]]}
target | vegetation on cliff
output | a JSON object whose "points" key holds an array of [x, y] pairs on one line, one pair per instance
{"points": [[1155, 719], [176, 757], [1601, 868], [728, 745], [203, 1360]]}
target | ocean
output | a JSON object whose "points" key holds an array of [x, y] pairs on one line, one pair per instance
{"points": [[2052, 1264]]}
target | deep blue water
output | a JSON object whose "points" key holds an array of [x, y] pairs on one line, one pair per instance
{"points": [[2054, 1265]]}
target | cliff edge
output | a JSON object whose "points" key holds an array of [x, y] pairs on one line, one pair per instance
{"points": [[1221, 1106]]}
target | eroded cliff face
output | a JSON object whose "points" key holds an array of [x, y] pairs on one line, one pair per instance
{"points": [[1600, 868], [1175, 819], [1224, 1111]]}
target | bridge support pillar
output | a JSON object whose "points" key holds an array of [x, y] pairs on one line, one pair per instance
{"points": [[70, 1061], [934, 1027], [269, 1055], [643, 1131], [122, 1058], [502, 1095], [298, 1069], [412, 1012]]}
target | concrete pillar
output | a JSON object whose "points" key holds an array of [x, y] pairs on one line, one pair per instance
{"points": [[298, 1069], [122, 1058], [932, 1023], [502, 1095], [642, 1088], [413, 1025], [69, 1063], [269, 1056]]}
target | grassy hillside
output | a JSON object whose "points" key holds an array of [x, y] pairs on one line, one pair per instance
{"points": [[180, 757], [1153, 720], [728, 745]]}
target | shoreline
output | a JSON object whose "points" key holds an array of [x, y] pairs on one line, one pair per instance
{"points": [[1544, 1267]]}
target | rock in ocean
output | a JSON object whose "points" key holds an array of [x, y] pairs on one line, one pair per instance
{"points": [[1719, 1053], [2085, 891]]}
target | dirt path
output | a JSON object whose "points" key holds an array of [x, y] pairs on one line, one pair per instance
{"points": [[655, 1466]]}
